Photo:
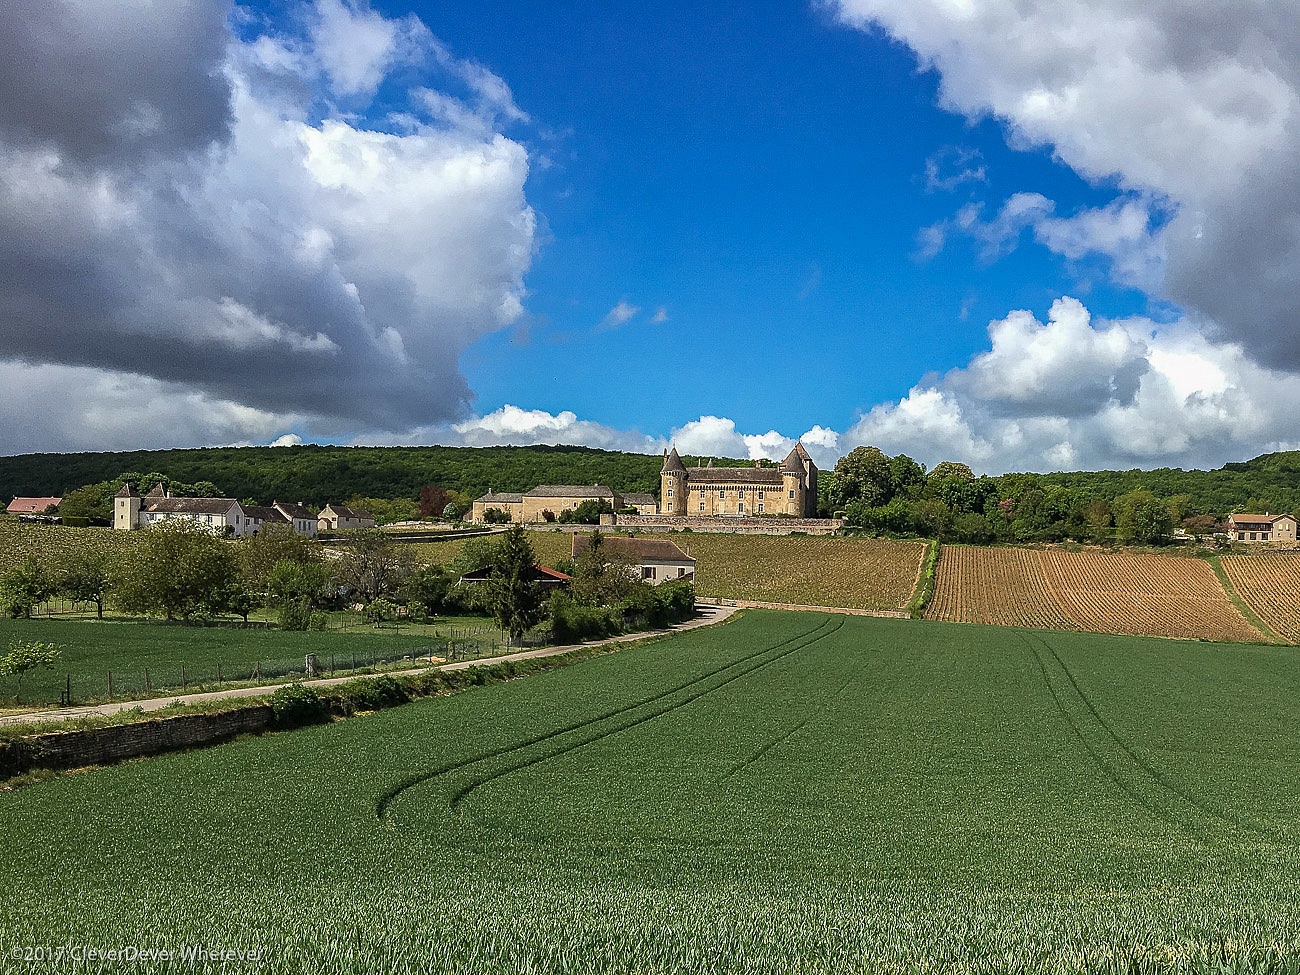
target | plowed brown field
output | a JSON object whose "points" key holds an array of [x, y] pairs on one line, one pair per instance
{"points": [[1270, 585], [1001, 586], [1104, 592]]}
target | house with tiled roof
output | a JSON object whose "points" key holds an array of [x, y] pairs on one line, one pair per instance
{"points": [[132, 512], [655, 560], [339, 517], [33, 506], [299, 515], [1242, 527], [788, 488], [645, 504]]}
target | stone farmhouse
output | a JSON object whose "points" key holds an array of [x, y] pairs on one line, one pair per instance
{"points": [[339, 517], [531, 506], [1261, 528], [132, 512], [654, 560], [708, 492]]}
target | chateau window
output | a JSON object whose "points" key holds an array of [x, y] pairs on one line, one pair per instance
{"points": [[740, 508], [760, 507], [701, 492], [740, 493], [792, 493], [670, 492], [701, 505], [760, 495], [670, 506]]}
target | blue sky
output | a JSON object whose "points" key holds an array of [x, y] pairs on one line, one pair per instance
{"points": [[1022, 234]]}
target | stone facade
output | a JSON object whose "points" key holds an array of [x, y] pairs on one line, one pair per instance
{"points": [[711, 492], [531, 506]]}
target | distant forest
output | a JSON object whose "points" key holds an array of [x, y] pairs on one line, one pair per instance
{"points": [[316, 475]]}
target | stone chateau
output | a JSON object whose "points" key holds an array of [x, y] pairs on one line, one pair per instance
{"points": [[708, 492]]}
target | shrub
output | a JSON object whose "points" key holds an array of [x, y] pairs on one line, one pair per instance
{"points": [[370, 694], [76, 521], [571, 622], [296, 705]]}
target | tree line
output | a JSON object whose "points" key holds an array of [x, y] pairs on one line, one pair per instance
{"points": [[181, 571], [898, 496]]}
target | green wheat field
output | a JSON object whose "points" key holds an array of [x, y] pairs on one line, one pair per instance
{"points": [[785, 793]]}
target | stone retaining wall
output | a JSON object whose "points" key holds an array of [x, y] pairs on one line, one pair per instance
{"points": [[99, 746], [735, 526]]}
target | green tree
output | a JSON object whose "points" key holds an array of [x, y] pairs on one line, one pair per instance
{"points": [[177, 571], [495, 516], [25, 656], [275, 543], [951, 468], [864, 475], [517, 601], [85, 577], [380, 611], [385, 511], [1143, 518], [587, 513], [24, 587], [426, 588], [602, 577], [373, 564]]}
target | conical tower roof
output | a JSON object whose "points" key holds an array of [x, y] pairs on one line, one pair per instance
{"points": [[793, 462], [673, 463], [127, 491]]}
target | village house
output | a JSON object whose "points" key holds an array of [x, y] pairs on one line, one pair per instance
{"points": [[298, 515], [706, 492], [1261, 528], [33, 506], [132, 512], [339, 517], [645, 504], [654, 560], [534, 505]]}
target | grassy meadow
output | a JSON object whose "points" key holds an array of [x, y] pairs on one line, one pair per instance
{"points": [[90, 649], [785, 793]]}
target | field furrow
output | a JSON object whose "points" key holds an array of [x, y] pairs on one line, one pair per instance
{"points": [[998, 586], [1270, 585]]}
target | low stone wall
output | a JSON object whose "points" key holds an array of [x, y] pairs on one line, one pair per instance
{"points": [[735, 526], [893, 614], [99, 746]]}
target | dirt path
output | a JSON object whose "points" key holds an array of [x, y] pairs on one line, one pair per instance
{"points": [[705, 616]]}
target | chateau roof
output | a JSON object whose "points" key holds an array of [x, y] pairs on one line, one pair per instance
{"points": [[127, 491], [673, 462], [638, 498], [794, 460], [636, 549], [190, 506], [570, 491], [733, 475], [158, 491]]}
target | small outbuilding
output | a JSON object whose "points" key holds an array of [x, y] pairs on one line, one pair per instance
{"points": [[655, 560]]}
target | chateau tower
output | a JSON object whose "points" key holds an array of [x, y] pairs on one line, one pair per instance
{"points": [[126, 509], [672, 485]]}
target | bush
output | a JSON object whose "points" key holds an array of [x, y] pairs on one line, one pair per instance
{"points": [[571, 622], [296, 705], [370, 694], [76, 521]]}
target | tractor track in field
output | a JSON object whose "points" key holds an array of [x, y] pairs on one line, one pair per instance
{"points": [[817, 633], [767, 747], [1120, 763]]}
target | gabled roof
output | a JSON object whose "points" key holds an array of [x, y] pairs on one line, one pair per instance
{"points": [[673, 462], [126, 491], [1239, 517], [541, 573], [743, 475], [638, 498], [32, 506], [189, 506], [343, 511], [502, 497], [633, 549], [297, 510], [158, 491], [258, 513], [570, 491]]}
